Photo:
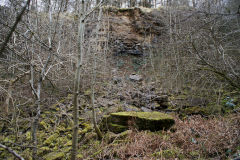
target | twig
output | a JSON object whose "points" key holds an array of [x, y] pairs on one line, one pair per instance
{"points": [[11, 151], [87, 14]]}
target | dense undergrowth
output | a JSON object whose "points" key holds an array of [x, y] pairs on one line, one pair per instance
{"points": [[193, 138]]}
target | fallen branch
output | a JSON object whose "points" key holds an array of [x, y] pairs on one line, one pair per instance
{"points": [[11, 151]]}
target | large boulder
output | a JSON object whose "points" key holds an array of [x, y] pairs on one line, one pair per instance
{"points": [[121, 121]]}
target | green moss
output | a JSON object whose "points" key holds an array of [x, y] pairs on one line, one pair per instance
{"points": [[51, 139], [47, 112], [44, 124], [69, 97], [41, 135], [88, 92], [67, 149], [68, 143], [62, 141], [27, 154], [143, 115], [69, 135], [96, 153], [157, 105], [6, 155], [169, 154], [124, 134], [28, 135], [80, 156], [55, 107], [157, 154], [10, 138], [43, 150], [54, 156], [87, 128], [61, 128], [116, 128]]}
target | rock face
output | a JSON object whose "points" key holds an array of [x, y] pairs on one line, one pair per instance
{"points": [[121, 121], [131, 27]]}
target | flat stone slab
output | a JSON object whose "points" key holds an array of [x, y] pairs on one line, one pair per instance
{"points": [[135, 77], [153, 121]]}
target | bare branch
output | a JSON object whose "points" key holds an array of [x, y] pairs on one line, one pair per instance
{"points": [[11, 151], [18, 19]]}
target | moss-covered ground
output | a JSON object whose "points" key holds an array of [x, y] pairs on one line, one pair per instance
{"points": [[192, 137]]}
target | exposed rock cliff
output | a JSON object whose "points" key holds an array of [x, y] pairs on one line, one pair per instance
{"points": [[132, 29]]}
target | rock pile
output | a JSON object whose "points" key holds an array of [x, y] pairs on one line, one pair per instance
{"points": [[153, 101]]}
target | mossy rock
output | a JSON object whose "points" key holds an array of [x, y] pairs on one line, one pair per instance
{"points": [[153, 121]]}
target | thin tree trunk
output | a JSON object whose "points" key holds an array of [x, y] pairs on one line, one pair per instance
{"points": [[77, 82], [99, 133], [35, 121], [37, 92], [9, 96], [97, 130]]}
